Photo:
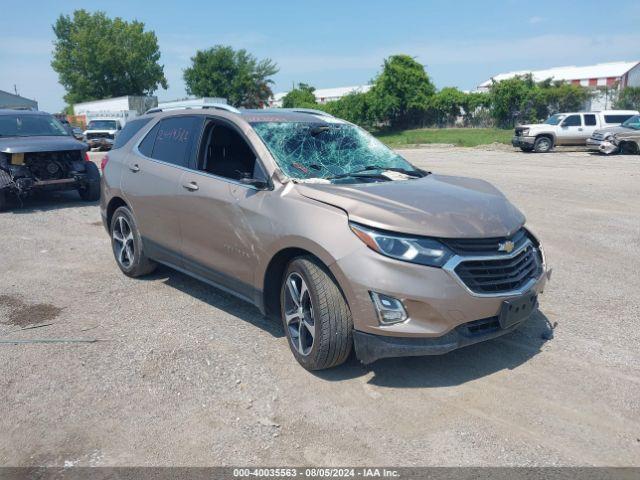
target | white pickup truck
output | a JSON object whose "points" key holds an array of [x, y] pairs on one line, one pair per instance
{"points": [[101, 132], [566, 129]]}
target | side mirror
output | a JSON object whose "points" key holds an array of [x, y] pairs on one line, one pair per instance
{"points": [[256, 183]]}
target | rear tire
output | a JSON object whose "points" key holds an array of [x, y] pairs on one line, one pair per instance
{"points": [[315, 314], [91, 191], [127, 245], [543, 145]]}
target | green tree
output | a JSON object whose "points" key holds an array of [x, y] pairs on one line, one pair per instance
{"points": [[300, 97], [401, 92], [353, 107], [99, 57], [236, 75], [475, 106], [521, 99], [629, 99], [512, 100], [565, 97], [446, 106]]}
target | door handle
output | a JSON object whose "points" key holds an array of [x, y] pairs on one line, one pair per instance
{"points": [[191, 186], [580, 129], [134, 168]]}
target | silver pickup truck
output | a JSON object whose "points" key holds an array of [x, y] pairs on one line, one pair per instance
{"points": [[566, 129]]}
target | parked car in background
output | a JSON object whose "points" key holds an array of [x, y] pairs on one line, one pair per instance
{"points": [[607, 134], [101, 132], [37, 153], [566, 129], [625, 142], [323, 227], [77, 133]]}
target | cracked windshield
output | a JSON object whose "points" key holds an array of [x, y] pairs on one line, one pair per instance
{"points": [[331, 151]]}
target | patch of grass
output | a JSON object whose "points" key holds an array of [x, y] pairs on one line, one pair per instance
{"points": [[461, 137]]}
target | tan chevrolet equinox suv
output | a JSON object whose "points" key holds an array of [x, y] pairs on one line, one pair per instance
{"points": [[314, 221]]}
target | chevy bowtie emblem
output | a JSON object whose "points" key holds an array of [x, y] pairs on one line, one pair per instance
{"points": [[507, 246]]}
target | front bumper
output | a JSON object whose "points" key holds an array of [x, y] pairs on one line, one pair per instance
{"points": [[370, 348], [437, 303], [519, 141], [593, 144], [607, 147], [105, 143]]}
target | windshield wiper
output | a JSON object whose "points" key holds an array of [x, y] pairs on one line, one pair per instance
{"points": [[364, 172], [412, 173]]}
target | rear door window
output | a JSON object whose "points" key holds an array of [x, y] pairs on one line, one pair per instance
{"points": [[590, 120], [146, 146], [129, 130], [172, 139]]}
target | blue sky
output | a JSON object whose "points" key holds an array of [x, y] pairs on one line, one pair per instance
{"points": [[338, 43]]}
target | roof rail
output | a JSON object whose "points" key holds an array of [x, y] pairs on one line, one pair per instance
{"points": [[312, 111], [215, 106]]}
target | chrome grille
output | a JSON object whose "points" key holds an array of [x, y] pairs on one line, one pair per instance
{"points": [[94, 136], [495, 275], [485, 246]]}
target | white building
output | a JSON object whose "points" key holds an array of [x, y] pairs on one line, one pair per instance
{"points": [[608, 77], [323, 95], [133, 103]]}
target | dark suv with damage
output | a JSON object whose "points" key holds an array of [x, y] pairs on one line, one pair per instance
{"points": [[38, 154]]}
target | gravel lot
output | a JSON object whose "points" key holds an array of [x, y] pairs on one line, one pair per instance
{"points": [[187, 375]]}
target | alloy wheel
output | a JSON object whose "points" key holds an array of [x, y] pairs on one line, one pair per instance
{"points": [[298, 314], [544, 145], [123, 243]]}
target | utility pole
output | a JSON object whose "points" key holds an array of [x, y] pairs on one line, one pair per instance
{"points": [[15, 88]]}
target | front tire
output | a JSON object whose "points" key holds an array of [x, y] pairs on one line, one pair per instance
{"points": [[628, 148], [5, 180], [90, 192], [315, 314], [542, 145], [127, 245]]}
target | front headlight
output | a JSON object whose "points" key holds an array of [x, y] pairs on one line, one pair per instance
{"points": [[422, 250], [524, 132]]}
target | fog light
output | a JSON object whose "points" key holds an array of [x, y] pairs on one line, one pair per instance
{"points": [[390, 310]]}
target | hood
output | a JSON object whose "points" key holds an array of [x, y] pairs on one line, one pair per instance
{"points": [[435, 205], [535, 126], [39, 144], [616, 129], [628, 134]]}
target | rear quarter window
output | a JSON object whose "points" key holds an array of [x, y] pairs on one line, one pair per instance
{"points": [[616, 118], [129, 130]]}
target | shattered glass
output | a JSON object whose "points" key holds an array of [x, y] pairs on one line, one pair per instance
{"points": [[321, 150]]}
